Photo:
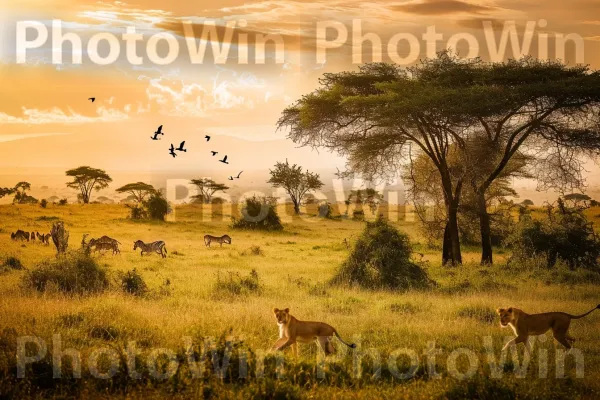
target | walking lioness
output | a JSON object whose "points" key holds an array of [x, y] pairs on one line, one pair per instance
{"points": [[524, 325], [292, 331], [222, 239]]}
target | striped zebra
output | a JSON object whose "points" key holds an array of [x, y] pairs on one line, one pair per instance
{"points": [[154, 247], [20, 235], [223, 239]]}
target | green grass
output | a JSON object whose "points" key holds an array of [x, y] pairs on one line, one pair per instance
{"points": [[293, 267]]}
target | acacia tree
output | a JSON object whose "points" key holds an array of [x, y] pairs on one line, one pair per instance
{"points": [[375, 115], [86, 179], [139, 190], [207, 188], [20, 191], [370, 197], [294, 181]]}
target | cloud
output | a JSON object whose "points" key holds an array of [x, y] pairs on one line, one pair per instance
{"points": [[441, 7], [55, 115], [477, 23]]}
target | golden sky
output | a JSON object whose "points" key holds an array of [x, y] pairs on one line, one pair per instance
{"points": [[40, 98]]}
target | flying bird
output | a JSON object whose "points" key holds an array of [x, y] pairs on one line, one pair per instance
{"points": [[214, 153], [230, 178], [180, 148], [155, 137], [207, 138], [238, 175], [92, 99], [159, 131], [224, 161], [172, 151]]}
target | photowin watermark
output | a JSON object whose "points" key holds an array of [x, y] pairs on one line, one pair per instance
{"points": [[209, 42], [229, 359]]}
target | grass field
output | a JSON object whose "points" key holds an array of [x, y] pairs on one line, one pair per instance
{"points": [[293, 267]]}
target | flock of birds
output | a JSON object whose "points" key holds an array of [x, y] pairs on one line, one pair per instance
{"points": [[181, 148]]}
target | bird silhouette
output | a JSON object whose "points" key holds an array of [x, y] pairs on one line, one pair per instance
{"points": [[92, 99], [207, 138], [224, 161], [230, 178], [180, 148], [214, 153], [155, 137], [159, 131], [238, 175], [172, 151]]}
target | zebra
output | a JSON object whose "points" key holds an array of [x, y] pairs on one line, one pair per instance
{"points": [[99, 246], [154, 247], [20, 235], [113, 242], [32, 236], [47, 237], [223, 239]]}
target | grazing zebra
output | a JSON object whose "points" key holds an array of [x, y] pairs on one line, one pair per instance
{"points": [[154, 247], [20, 235], [47, 237], [100, 246], [223, 239], [32, 236]]}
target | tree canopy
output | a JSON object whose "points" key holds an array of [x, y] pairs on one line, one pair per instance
{"points": [[139, 190], [86, 179], [377, 115], [207, 188], [294, 181]]}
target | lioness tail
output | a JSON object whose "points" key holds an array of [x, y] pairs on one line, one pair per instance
{"points": [[583, 315], [351, 345]]}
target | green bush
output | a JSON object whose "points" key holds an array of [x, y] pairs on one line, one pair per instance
{"points": [[133, 283], [136, 211], [43, 203], [75, 272], [565, 234], [325, 210], [157, 206], [13, 263], [258, 214], [380, 259], [236, 285]]}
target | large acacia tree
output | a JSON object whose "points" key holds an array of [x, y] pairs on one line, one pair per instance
{"points": [[86, 179], [207, 188], [139, 190], [375, 115]]}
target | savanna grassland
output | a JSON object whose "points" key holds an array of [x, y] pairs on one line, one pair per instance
{"points": [[184, 298]]}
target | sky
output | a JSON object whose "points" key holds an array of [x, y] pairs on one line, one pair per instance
{"points": [[43, 99]]}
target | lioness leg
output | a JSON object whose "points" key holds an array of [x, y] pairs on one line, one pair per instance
{"points": [[295, 350], [561, 338], [280, 342], [326, 345]]}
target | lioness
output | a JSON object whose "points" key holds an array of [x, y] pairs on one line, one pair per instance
{"points": [[524, 324], [292, 331]]}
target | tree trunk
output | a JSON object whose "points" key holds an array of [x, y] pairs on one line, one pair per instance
{"points": [[447, 246], [454, 237], [485, 228], [297, 207]]}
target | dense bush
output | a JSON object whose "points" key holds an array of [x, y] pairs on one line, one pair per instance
{"points": [[62, 202], [258, 214], [157, 206], [325, 210], [133, 283], [13, 263], [75, 272], [565, 234], [43, 203], [381, 259]]}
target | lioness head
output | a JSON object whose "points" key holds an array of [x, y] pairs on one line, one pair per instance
{"points": [[506, 316], [282, 316]]}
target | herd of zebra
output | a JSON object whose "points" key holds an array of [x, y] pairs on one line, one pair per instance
{"points": [[105, 243], [22, 235]]}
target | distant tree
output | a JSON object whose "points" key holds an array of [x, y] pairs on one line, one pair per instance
{"points": [[139, 190], [157, 206], [369, 197], [6, 192], [577, 200], [20, 192], [294, 181], [43, 203], [207, 188], [527, 203], [86, 179]]}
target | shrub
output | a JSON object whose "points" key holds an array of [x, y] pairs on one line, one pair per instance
{"points": [[43, 203], [325, 210], [380, 259], [136, 211], [75, 273], [13, 263], [358, 215], [236, 285], [63, 202], [157, 206], [565, 234], [133, 283], [258, 214]]}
